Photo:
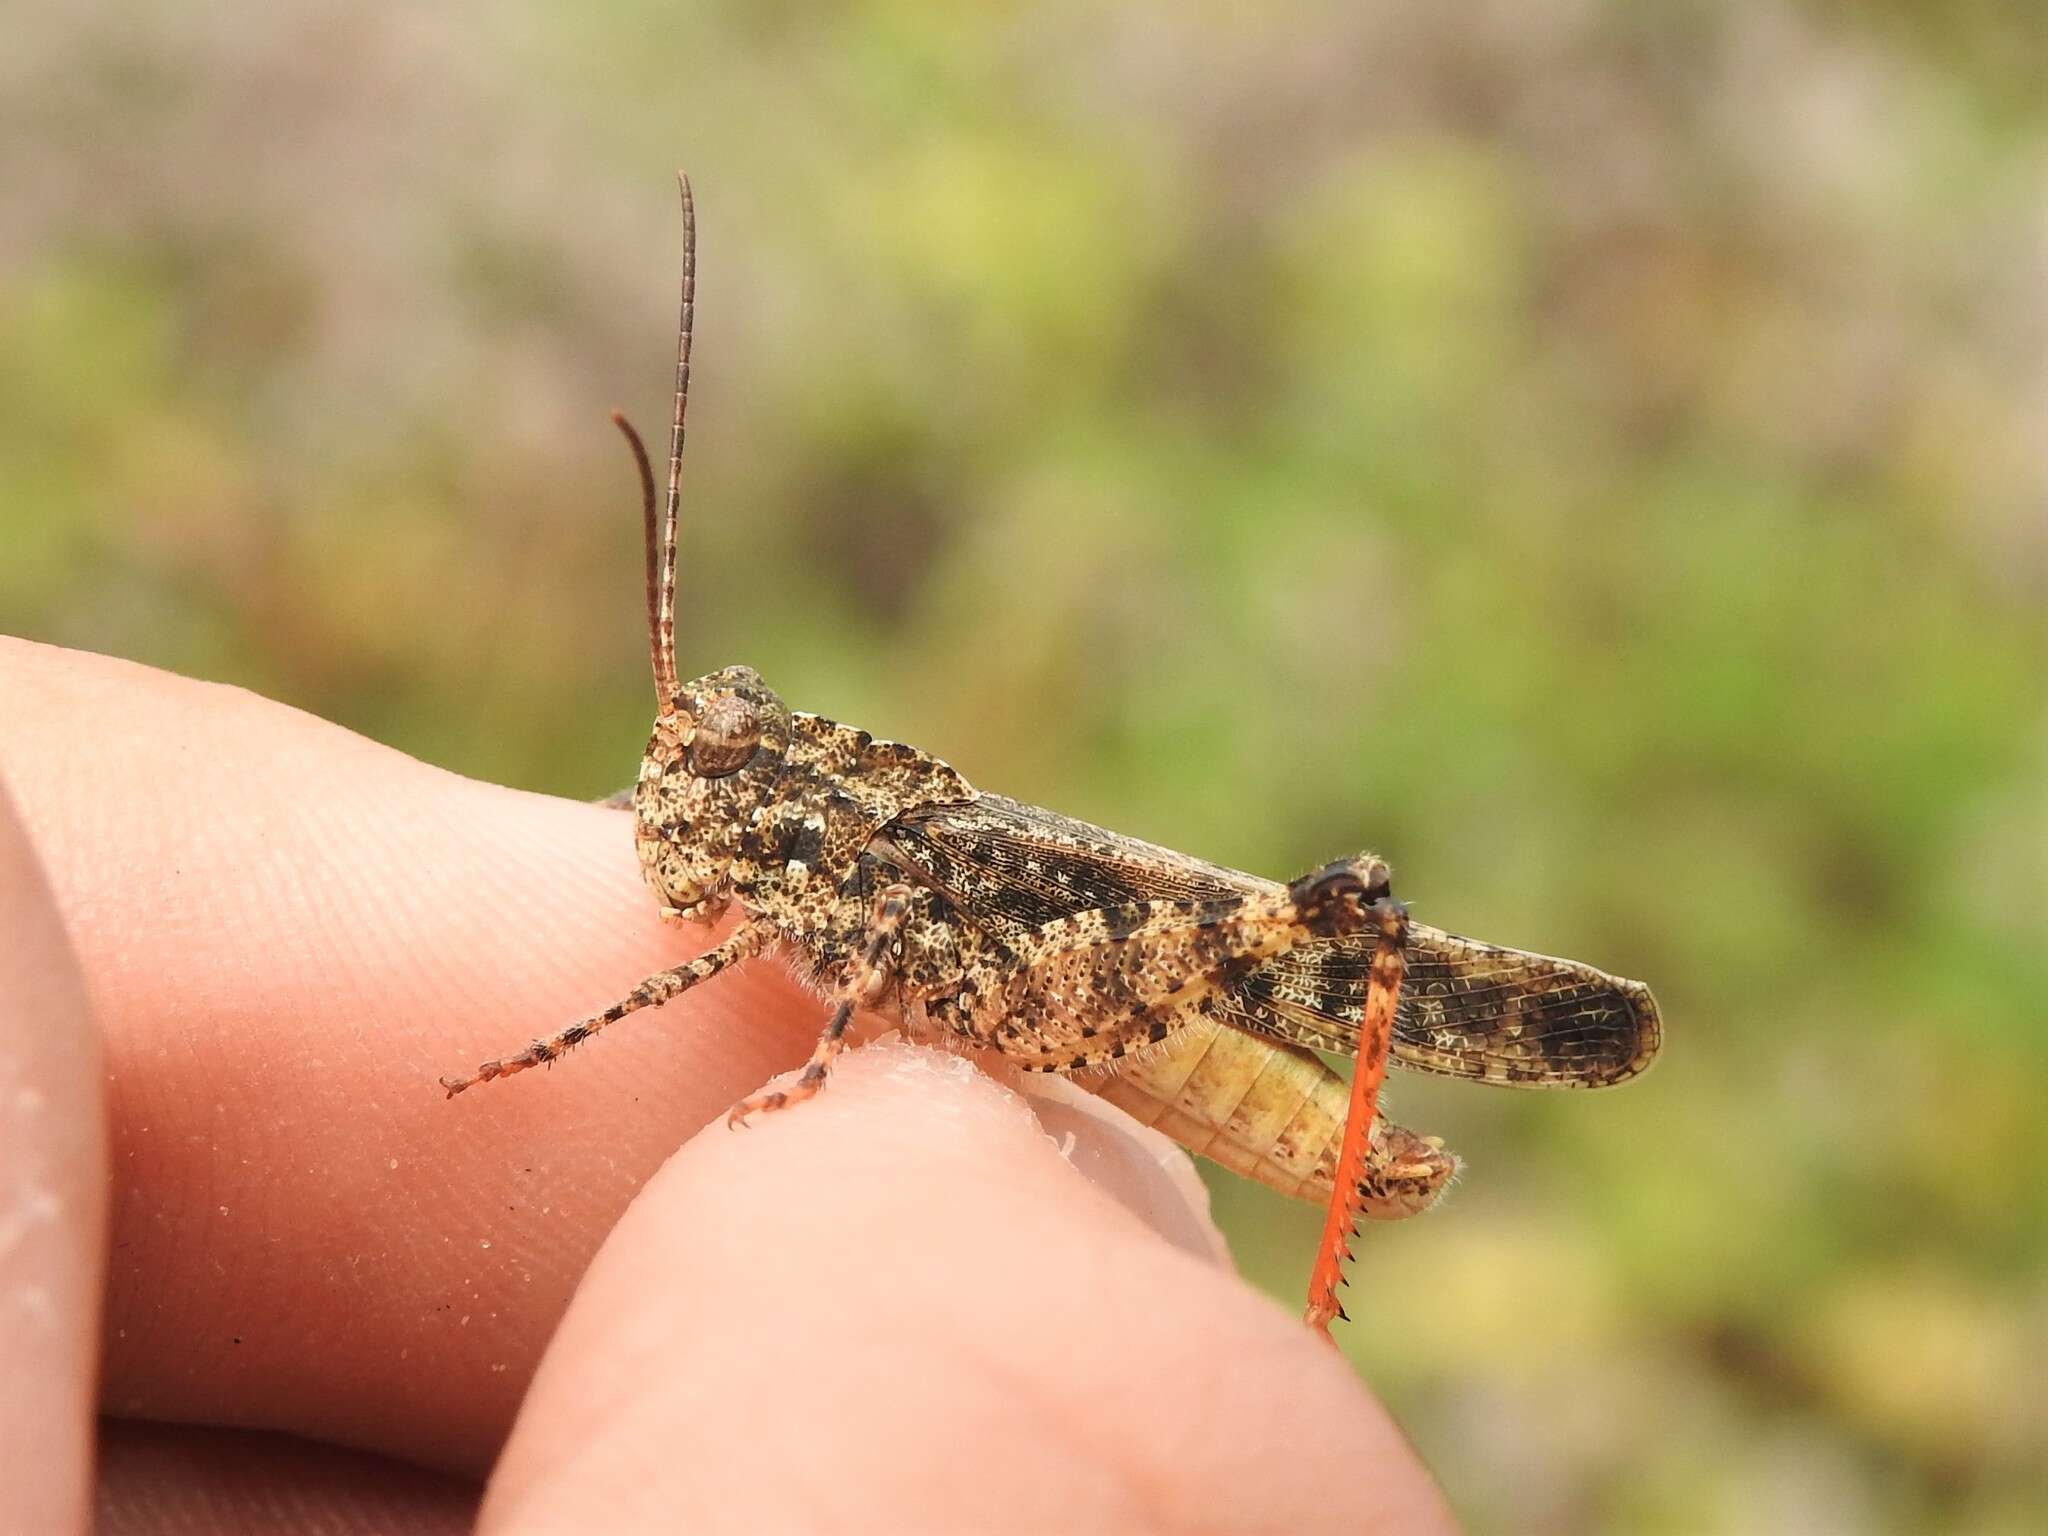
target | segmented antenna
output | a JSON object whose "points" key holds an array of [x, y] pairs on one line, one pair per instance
{"points": [[663, 586]]}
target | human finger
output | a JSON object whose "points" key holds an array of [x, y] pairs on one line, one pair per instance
{"points": [[898, 1308], [186, 1480], [52, 1202]]}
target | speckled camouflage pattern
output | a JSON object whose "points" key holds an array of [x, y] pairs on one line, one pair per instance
{"points": [[1190, 994], [1467, 1010]]}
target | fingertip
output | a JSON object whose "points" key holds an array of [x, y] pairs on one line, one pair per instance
{"points": [[899, 1306], [898, 1110]]}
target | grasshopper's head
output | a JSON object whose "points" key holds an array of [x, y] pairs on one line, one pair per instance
{"points": [[714, 757]]}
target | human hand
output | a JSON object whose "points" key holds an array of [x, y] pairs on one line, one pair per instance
{"points": [[898, 1307]]}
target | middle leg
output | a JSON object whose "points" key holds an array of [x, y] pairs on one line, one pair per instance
{"points": [[863, 983]]}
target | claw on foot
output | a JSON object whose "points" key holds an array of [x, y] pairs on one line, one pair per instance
{"points": [[538, 1054], [808, 1082], [482, 1074], [754, 1104]]}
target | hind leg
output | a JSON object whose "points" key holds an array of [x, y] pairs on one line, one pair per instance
{"points": [[1375, 1035]]}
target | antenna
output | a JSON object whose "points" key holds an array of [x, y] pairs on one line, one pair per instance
{"points": [[648, 527], [661, 545]]}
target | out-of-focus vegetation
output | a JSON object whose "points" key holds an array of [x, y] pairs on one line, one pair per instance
{"points": [[1589, 453]]}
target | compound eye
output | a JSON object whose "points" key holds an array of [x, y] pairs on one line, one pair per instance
{"points": [[728, 730]]}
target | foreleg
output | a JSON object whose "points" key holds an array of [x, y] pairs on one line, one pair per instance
{"points": [[656, 989]]}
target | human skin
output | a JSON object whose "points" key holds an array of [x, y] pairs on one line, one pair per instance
{"points": [[247, 941]]}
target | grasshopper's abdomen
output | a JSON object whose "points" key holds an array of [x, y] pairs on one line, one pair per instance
{"points": [[1271, 1112]]}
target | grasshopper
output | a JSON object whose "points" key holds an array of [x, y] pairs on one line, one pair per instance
{"points": [[1192, 995]]}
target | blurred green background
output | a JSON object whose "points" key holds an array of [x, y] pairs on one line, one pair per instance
{"points": [[1589, 453]]}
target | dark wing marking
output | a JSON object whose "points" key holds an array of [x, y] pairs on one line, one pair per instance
{"points": [[1015, 866], [1468, 1009]]}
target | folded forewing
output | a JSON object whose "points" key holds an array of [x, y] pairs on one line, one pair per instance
{"points": [[1467, 1009]]}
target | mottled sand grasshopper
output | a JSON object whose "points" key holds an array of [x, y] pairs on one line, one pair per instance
{"points": [[1193, 996]]}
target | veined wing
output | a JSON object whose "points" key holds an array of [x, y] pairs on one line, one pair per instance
{"points": [[1468, 1009], [1013, 867]]}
